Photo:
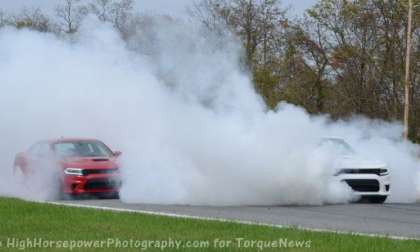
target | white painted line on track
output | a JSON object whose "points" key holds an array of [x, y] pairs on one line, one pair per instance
{"points": [[194, 217]]}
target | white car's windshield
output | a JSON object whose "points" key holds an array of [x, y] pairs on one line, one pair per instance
{"points": [[82, 149], [338, 145]]}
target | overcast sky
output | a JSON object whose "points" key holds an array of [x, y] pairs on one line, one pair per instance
{"points": [[155, 6]]}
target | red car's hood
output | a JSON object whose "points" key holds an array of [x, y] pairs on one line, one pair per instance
{"points": [[90, 162]]}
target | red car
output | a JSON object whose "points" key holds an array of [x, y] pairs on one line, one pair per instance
{"points": [[85, 166]]}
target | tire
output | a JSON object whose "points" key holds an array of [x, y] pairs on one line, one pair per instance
{"points": [[112, 195], [374, 199]]}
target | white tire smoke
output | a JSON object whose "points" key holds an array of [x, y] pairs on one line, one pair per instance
{"points": [[191, 128]]}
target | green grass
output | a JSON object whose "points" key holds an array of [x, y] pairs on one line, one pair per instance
{"points": [[22, 220]]}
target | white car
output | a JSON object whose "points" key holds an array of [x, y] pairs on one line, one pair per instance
{"points": [[370, 180]]}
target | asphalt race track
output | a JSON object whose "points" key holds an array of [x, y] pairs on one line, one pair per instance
{"points": [[400, 220]]}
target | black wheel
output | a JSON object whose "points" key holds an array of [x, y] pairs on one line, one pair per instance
{"points": [[113, 195], [374, 199]]}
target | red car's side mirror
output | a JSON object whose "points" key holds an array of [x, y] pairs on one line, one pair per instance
{"points": [[117, 153]]}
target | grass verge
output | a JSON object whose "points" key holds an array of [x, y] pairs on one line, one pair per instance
{"points": [[59, 227]]}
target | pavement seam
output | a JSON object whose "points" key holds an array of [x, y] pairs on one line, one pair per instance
{"points": [[195, 217]]}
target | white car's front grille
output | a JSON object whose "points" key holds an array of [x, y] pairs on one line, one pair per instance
{"points": [[363, 185]]}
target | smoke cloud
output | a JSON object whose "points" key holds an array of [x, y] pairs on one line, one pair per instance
{"points": [[191, 127]]}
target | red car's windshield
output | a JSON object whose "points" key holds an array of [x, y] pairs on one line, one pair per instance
{"points": [[82, 149]]}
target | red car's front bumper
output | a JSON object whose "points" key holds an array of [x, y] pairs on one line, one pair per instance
{"points": [[91, 184]]}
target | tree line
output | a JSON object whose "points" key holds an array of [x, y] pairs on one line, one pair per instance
{"points": [[340, 57]]}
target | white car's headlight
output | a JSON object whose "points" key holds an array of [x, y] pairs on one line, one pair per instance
{"points": [[74, 171], [383, 172]]}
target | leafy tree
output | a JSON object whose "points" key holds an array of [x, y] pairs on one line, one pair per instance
{"points": [[32, 19]]}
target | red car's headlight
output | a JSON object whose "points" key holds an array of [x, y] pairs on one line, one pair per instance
{"points": [[73, 171]]}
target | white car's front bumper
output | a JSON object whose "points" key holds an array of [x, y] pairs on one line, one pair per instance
{"points": [[367, 184]]}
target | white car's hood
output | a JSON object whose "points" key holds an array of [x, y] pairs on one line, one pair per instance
{"points": [[357, 162]]}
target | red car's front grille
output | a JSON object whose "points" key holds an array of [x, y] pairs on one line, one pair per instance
{"points": [[102, 184], [87, 172]]}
